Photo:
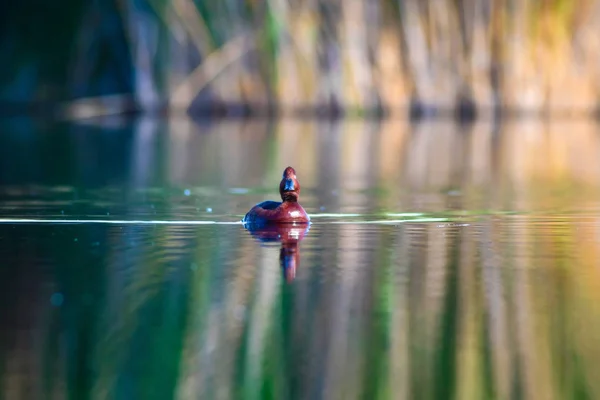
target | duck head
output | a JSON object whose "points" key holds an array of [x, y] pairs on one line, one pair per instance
{"points": [[289, 187]]}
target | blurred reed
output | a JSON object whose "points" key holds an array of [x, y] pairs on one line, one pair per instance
{"points": [[319, 55], [362, 56]]}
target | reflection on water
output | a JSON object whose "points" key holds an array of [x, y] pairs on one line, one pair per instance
{"points": [[289, 236], [443, 262]]}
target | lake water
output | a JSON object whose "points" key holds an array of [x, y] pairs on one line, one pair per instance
{"points": [[443, 261]]}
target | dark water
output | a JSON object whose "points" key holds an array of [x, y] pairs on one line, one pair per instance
{"points": [[443, 262]]}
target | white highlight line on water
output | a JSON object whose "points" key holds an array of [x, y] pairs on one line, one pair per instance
{"points": [[333, 215], [175, 222], [388, 221], [408, 214], [111, 221]]}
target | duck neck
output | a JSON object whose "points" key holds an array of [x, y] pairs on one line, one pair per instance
{"points": [[289, 198]]}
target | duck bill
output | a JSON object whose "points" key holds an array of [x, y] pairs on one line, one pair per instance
{"points": [[289, 185]]}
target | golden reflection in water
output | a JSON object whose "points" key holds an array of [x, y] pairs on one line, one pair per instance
{"points": [[359, 166]]}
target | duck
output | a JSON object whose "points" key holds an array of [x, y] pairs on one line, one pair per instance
{"points": [[285, 212]]}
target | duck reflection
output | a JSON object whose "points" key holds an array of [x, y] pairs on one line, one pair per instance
{"points": [[289, 236]]}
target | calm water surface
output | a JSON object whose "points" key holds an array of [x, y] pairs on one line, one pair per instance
{"points": [[443, 261]]}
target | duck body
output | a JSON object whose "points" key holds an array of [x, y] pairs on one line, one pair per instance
{"points": [[269, 212], [284, 212]]}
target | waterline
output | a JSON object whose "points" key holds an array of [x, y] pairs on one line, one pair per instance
{"points": [[197, 222], [112, 221]]}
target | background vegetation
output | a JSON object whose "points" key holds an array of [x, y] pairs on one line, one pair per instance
{"points": [[360, 56]]}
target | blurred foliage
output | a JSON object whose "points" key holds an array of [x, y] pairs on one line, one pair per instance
{"points": [[354, 55], [41, 44]]}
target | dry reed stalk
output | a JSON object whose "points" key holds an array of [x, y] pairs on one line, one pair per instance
{"points": [[358, 55]]}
